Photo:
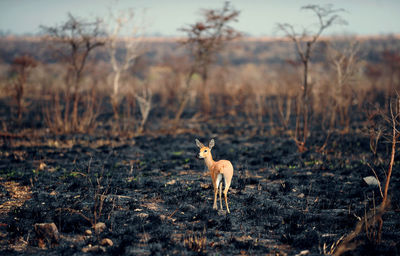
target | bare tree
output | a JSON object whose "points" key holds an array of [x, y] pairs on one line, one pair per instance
{"points": [[144, 99], [372, 223], [122, 51], [21, 66], [343, 58], [393, 120], [346, 63], [73, 41], [304, 42], [205, 39]]}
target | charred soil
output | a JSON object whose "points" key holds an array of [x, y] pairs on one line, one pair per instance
{"points": [[150, 195]]}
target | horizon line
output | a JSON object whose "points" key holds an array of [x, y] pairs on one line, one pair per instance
{"points": [[246, 38]]}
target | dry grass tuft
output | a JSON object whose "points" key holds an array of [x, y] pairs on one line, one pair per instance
{"points": [[195, 241]]}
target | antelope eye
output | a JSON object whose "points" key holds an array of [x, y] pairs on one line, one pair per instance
{"points": [[205, 151]]}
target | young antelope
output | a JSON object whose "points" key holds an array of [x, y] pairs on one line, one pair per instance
{"points": [[218, 169]]}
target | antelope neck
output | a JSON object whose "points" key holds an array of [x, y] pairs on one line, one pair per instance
{"points": [[209, 161]]}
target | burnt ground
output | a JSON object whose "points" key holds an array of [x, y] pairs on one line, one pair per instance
{"points": [[155, 197]]}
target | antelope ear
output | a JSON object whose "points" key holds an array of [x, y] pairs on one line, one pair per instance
{"points": [[199, 144], [211, 144]]}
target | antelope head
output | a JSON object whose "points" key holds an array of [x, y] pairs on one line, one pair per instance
{"points": [[205, 151]]}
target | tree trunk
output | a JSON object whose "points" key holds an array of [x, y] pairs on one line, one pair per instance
{"points": [[185, 98], [392, 155], [305, 106], [114, 96], [75, 97], [305, 81], [206, 103]]}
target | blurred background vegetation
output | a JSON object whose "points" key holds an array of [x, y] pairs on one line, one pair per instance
{"points": [[83, 76]]}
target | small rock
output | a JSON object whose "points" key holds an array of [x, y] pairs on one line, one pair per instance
{"points": [[106, 242], [171, 182], [371, 180], [95, 248], [47, 232], [42, 166], [88, 232], [143, 215], [304, 252], [301, 195], [99, 227], [205, 185]]}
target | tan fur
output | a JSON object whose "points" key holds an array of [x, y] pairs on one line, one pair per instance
{"points": [[223, 167]]}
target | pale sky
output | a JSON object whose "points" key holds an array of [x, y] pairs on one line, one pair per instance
{"points": [[165, 17]]}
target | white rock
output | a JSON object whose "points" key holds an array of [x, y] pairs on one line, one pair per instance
{"points": [[99, 227], [106, 242], [371, 180], [304, 252]]}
